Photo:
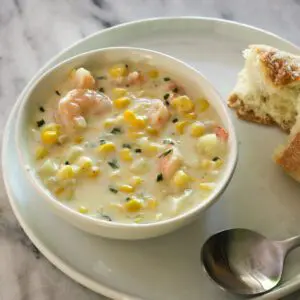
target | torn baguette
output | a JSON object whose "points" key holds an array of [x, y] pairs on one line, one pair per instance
{"points": [[268, 92]]}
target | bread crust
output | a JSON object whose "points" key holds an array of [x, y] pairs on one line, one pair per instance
{"points": [[280, 68]]}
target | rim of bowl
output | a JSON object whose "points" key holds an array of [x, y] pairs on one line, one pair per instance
{"points": [[221, 185]]}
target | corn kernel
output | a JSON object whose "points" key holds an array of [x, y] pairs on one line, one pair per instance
{"points": [[125, 154], [49, 137], [180, 126], [139, 122], [153, 73], [133, 205], [219, 163], [207, 186], [150, 149], [152, 204], [109, 123], [106, 148], [152, 131], [94, 172], [206, 164], [84, 163], [118, 71], [41, 152], [183, 104], [126, 188], [65, 172], [133, 135], [136, 181], [83, 210], [119, 92], [129, 116], [197, 129], [51, 127], [78, 139], [122, 102], [203, 105], [59, 190], [191, 116], [181, 179]]}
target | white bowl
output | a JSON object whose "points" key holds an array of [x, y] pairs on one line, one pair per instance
{"points": [[191, 79]]}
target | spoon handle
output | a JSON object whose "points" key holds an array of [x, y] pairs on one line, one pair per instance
{"points": [[291, 243]]}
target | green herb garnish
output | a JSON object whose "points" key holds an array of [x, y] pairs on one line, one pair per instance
{"points": [[106, 217], [42, 109], [113, 164], [127, 198], [101, 90], [66, 162], [40, 123], [57, 93], [166, 96], [175, 120], [116, 130], [113, 190], [102, 141], [159, 177], [167, 79], [169, 142], [138, 150], [101, 77], [215, 158], [175, 90], [166, 153], [126, 146]]}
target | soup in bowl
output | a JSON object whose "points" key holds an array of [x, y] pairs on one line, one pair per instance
{"points": [[126, 143]]}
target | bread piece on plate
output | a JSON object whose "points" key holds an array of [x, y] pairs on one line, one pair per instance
{"points": [[268, 92]]}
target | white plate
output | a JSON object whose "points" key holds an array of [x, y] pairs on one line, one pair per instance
{"points": [[259, 197]]}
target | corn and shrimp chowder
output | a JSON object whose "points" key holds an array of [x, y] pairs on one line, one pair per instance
{"points": [[127, 144]]}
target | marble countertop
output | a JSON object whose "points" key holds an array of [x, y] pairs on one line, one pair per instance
{"points": [[31, 32]]}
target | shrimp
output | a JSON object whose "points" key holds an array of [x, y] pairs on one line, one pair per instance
{"points": [[79, 102], [169, 162], [155, 110], [84, 79], [221, 133]]}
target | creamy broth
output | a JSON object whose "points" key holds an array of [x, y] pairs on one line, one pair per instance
{"points": [[125, 143]]}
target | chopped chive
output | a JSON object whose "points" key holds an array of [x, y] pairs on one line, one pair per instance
{"points": [[106, 217], [166, 96], [167, 141], [116, 130], [113, 164], [101, 77], [102, 141], [159, 177], [113, 190], [167, 79], [175, 90], [138, 150], [101, 90], [126, 146], [40, 123], [215, 158], [57, 93], [127, 198], [164, 154], [42, 109], [66, 162], [175, 120]]}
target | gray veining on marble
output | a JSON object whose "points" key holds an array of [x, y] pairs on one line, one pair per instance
{"points": [[31, 32]]}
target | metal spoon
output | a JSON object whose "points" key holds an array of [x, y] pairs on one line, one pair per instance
{"points": [[245, 262]]}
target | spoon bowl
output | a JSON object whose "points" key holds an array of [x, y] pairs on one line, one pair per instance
{"points": [[245, 262]]}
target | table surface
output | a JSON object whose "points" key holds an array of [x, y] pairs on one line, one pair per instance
{"points": [[31, 32]]}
